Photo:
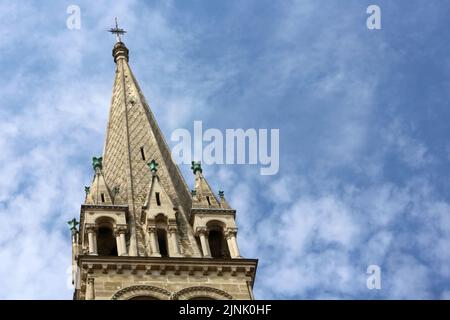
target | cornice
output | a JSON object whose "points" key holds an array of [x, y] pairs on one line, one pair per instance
{"points": [[104, 207], [162, 266], [220, 211]]}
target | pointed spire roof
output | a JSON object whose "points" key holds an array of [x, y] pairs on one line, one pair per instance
{"points": [[202, 195], [98, 193], [223, 202], [133, 137], [153, 200]]}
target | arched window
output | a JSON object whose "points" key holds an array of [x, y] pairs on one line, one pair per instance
{"points": [[201, 298], [106, 242], [161, 234], [218, 244], [143, 298], [162, 242]]}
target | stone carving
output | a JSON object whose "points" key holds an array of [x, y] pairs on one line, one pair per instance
{"points": [[141, 290], [201, 291]]}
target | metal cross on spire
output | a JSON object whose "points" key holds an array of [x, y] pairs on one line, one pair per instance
{"points": [[117, 31]]}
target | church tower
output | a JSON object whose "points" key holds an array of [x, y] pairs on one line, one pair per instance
{"points": [[142, 234]]}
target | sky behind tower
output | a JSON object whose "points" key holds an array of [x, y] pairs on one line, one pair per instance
{"points": [[363, 119]]}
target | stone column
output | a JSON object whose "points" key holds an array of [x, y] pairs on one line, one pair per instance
{"points": [[148, 249], [173, 232], [232, 243], [120, 241], [90, 290], [153, 242], [75, 253], [92, 240], [203, 233], [118, 244], [123, 243]]}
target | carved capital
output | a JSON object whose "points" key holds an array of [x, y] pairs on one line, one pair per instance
{"points": [[151, 229], [202, 231], [120, 230], [91, 228], [230, 232], [173, 229]]}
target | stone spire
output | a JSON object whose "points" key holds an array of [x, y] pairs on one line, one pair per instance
{"points": [[141, 234], [98, 192], [133, 137], [223, 202], [202, 195]]}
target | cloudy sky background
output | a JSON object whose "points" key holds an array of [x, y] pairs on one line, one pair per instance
{"points": [[363, 118]]}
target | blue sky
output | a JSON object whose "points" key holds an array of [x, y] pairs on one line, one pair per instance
{"points": [[363, 118]]}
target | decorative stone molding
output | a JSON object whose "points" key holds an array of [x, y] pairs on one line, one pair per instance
{"points": [[173, 229], [148, 270], [209, 211], [141, 290], [201, 291], [104, 207], [230, 232], [162, 270], [90, 268], [201, 230], [162, 294], [119, 230], [133, 269], [236, 268], [91, 228], [177, 270]]}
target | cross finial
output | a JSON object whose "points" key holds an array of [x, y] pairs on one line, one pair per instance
{"points": [[73, 224], [153, 165], [97, 162], [117, 31], [196, 166]]}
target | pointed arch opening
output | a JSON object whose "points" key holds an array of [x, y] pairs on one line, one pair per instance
{"points": [[162, 242], [161, 234], [106, 241], [217, 242]]}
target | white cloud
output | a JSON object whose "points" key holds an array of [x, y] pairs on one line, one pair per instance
{"points": [[315, 232], [411, 151]]}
